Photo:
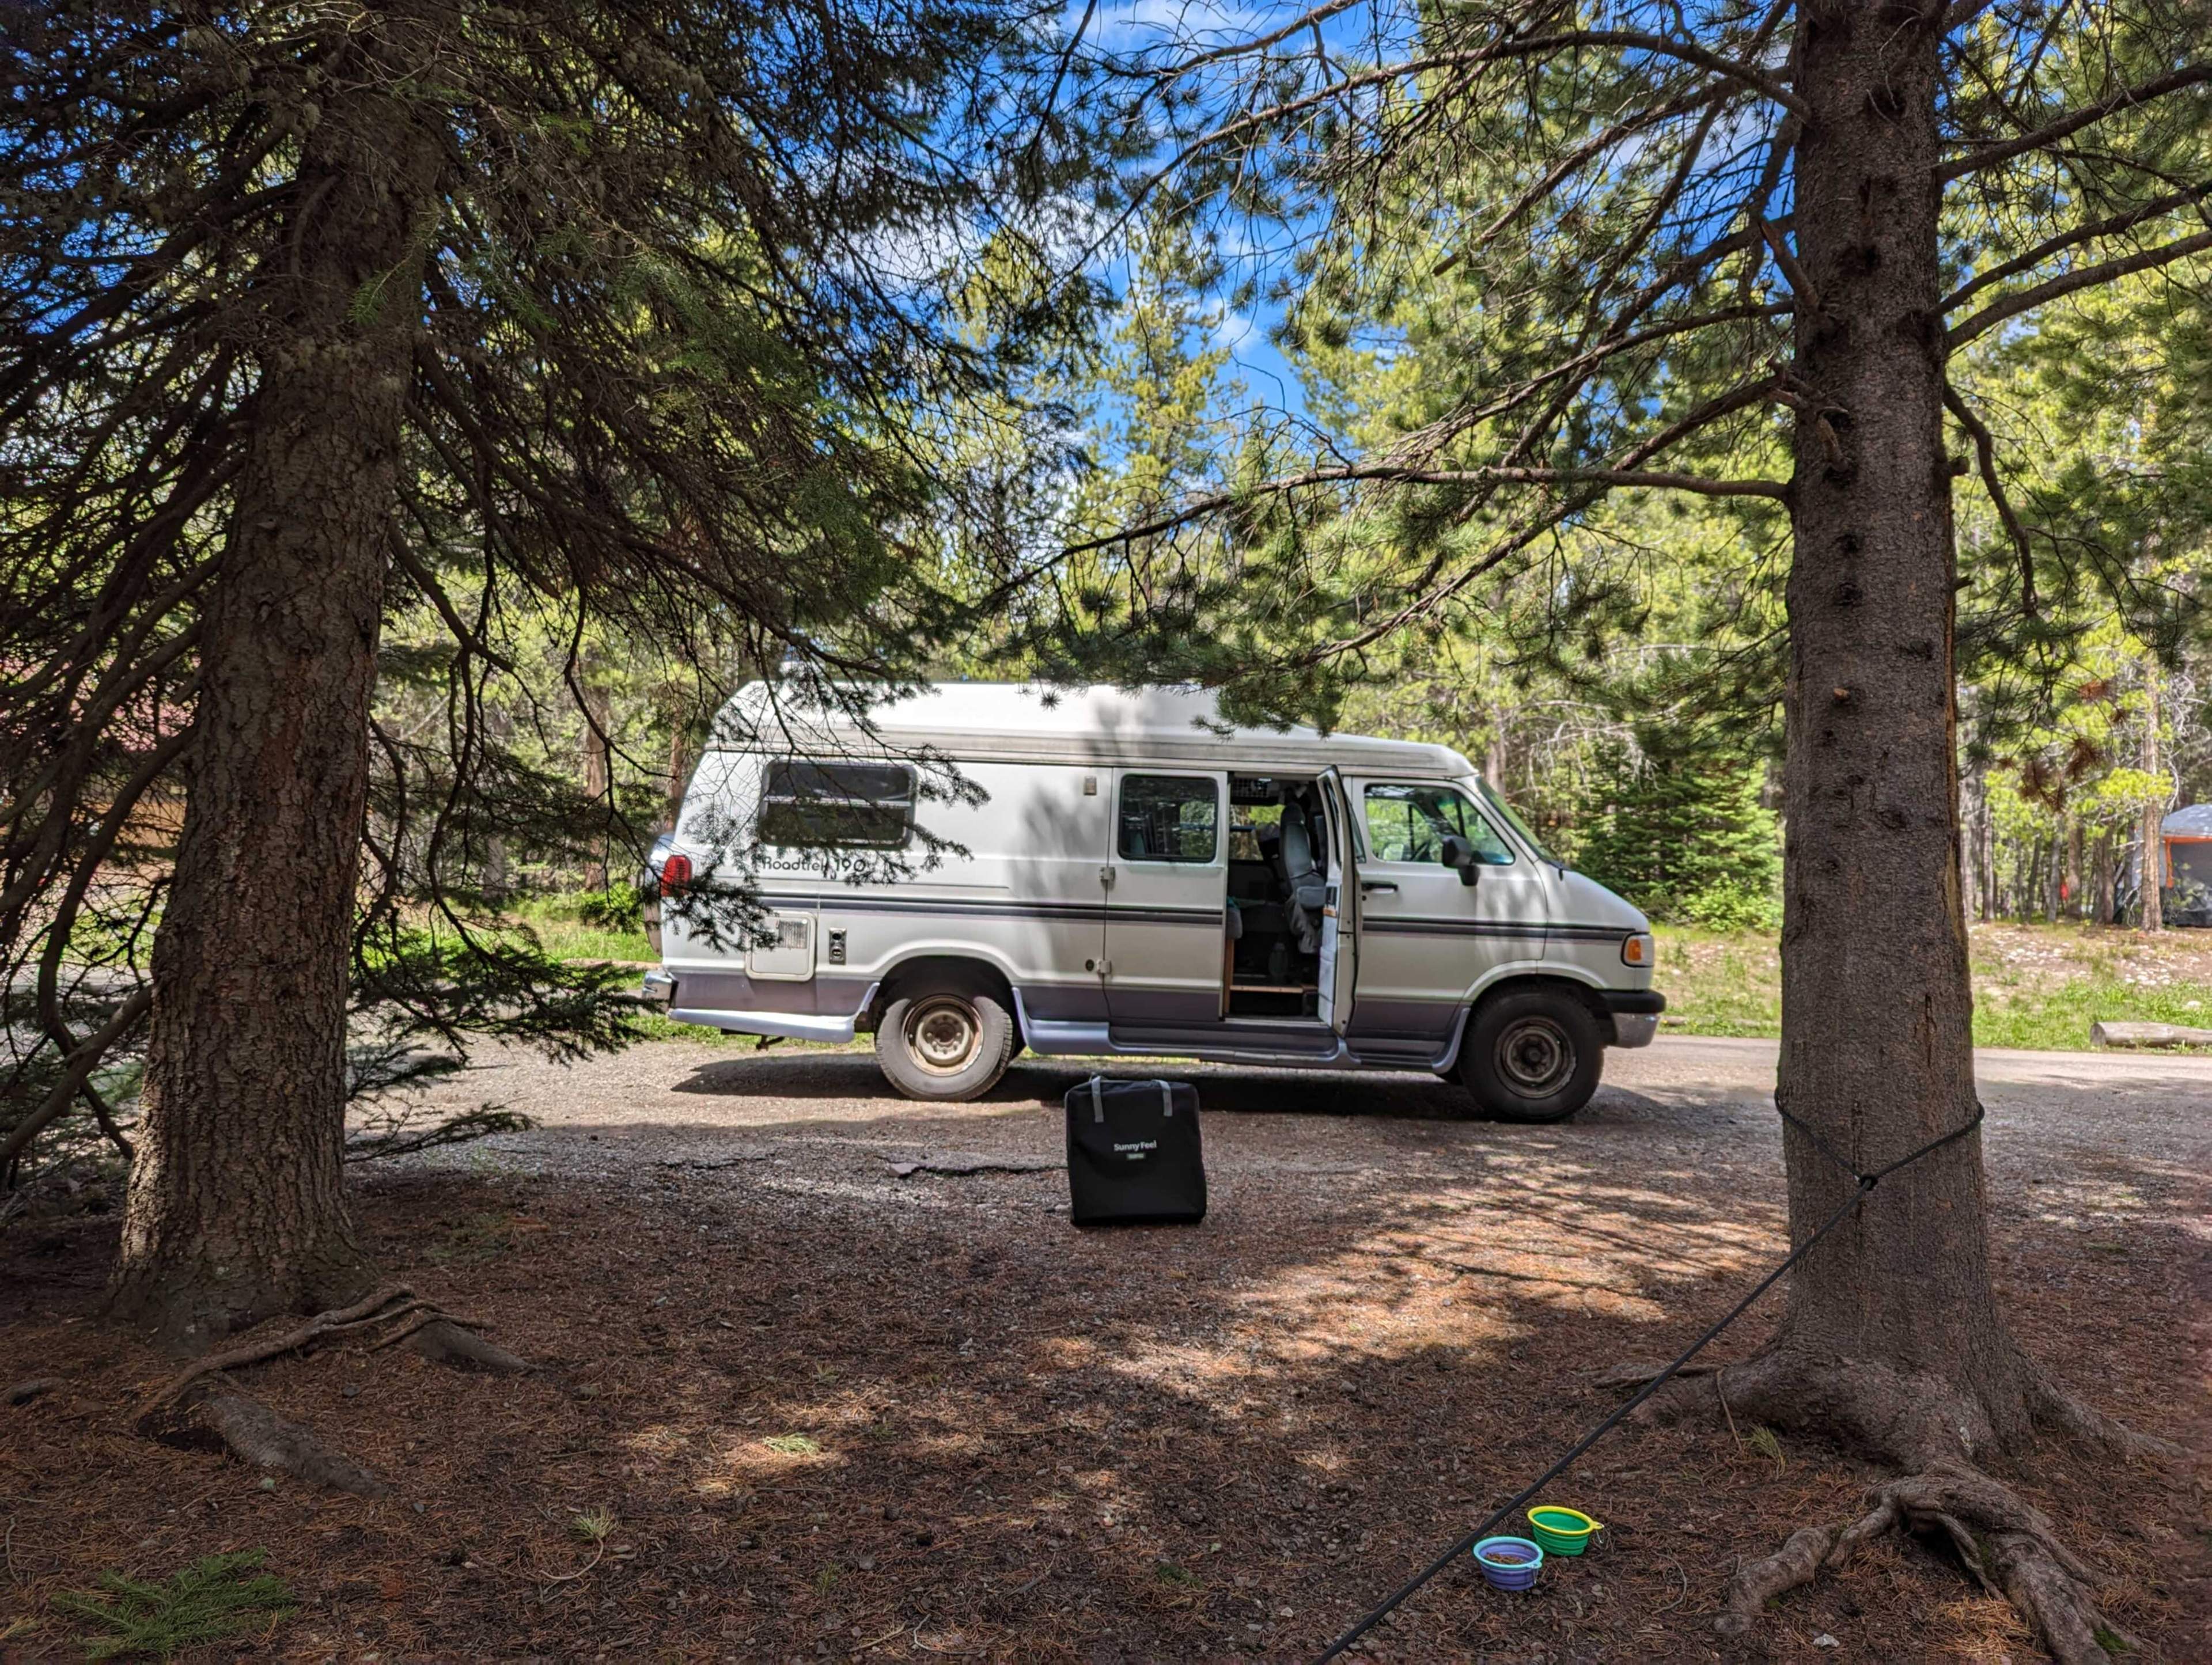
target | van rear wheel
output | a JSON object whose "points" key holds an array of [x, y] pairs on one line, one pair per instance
{"points": [[1532, 1056], [944, 1045]]}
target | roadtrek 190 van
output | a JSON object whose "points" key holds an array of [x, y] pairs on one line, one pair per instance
{"points": [[1115, 872]]}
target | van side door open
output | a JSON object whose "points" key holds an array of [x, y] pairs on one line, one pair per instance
{"points": [[1340, 926], [1164, 887]]}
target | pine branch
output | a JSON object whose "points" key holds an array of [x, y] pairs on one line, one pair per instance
{"points": [[2128, 98], [2110, 225], [1985, 456], [2088, 277]]}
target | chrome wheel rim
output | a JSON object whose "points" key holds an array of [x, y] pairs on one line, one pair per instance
{"points": [[943, 1034], [1534, 1056]]}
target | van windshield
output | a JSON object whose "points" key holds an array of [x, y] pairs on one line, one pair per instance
{"points": [[1512, 818]]}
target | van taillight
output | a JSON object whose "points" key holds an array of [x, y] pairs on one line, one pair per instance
{"points": [[675, 873]]}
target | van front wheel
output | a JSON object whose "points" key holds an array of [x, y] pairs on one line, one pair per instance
{"points": [[944, 1045], [1533, 1056]]}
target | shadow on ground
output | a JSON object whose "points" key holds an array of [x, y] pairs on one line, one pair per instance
{"points": [[834, 1414]]}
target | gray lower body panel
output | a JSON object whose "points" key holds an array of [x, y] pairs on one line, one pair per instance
{"points": [[820, 1008], [733, 990]]}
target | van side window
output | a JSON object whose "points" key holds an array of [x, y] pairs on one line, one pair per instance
{"points": [[1169, 817], [1409, 823], [830, 806]]}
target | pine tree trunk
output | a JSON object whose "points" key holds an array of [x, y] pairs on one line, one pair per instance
{"points": [[679, 773], [1877, 1009], [599, 761], [1990, 861], [2154, 817], [1970, 846], [236, 1209], [498, 876]]}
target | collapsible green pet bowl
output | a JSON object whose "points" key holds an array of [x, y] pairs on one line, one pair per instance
{"points": [[1562, 1531]]}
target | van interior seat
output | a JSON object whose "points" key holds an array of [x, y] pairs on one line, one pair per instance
{"points": [[1304, 888]]}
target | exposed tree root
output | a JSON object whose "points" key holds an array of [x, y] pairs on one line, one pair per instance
{"points": [[199, 1408], [437, 1334], [1910, 1421], [2054, 1407], [1935, 1432], [2003, 1541], [1635, 1372], [211, 1414], [367, 1311], [1797, 1562], [450, 1342]]}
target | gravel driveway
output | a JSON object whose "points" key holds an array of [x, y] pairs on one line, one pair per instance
{"points": [[2114, 1139]]}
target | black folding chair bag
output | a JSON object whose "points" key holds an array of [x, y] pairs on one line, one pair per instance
{"points": [[1132, 1153]]}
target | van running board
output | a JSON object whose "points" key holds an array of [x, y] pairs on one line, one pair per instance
{"points": [[1092, 1040], [1075, 1040]]}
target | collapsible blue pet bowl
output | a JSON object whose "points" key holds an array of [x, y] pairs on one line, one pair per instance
{"points": [[1508, 1563]]}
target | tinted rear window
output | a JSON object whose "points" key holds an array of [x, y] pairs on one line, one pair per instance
{"points": [[812, 804]]}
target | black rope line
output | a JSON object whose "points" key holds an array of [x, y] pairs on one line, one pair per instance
{"points": [[1867, 1182], [1813, 1134], [1460, 1546]]}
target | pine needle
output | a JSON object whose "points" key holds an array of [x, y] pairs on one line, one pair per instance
{"points": [[207, 1601]]}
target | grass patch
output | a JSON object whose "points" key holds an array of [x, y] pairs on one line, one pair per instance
{"points": [[1718, 982], [579, 928], [792, 1445], [593, 1527], [2060, 1018], [215, 1597], [2037, 986]]}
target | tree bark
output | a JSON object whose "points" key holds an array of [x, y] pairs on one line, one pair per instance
{"points": [[1877, 1010], [1970, 844], [1990, 858], [2154, 816], [679, 768], [498, 880], [2071, 889], [236, 1209], [598, 712]]}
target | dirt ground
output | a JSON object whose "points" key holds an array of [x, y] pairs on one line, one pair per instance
{"points": [[834, 1412]]}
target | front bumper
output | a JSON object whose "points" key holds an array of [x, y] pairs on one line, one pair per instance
{"points": [[1635, 1014]]}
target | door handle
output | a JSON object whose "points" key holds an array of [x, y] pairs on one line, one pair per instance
{"points": [[1370, 885]]}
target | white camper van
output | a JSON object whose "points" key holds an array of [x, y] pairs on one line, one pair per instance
{"points": [[1095, 871]]}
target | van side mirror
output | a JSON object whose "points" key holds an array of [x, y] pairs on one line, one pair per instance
{"points": [[1457, 852]]}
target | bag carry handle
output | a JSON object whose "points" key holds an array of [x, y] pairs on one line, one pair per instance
{"points": [[1098, 1098]]}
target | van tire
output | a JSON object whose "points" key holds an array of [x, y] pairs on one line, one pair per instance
{"points": [[944, 1045], [1532, 1055]]}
